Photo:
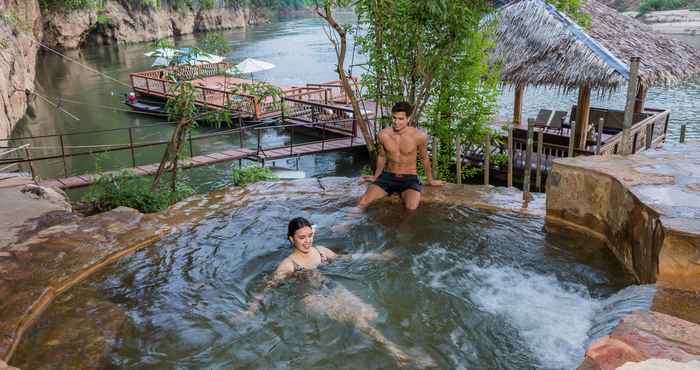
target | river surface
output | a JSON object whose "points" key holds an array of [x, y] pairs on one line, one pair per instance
{"points": [[455, 289], [301, 53]]}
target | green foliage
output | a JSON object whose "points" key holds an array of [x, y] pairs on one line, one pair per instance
{"points": [[572, 8], [215, 43], [103, 20], [500, 159], [206, 4], [248, 175], [128, 190], [67, 5], [654, 5]]}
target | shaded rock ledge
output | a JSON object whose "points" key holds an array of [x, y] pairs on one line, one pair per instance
{"points": [[36, 271], [646, 207]]}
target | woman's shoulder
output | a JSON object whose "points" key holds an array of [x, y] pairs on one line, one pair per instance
{"points": [[285, 267]]}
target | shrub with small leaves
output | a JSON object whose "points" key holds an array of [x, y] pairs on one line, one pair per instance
{"points": [[248, 175]]}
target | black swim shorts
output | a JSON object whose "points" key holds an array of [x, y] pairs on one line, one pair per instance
{"points": [[393, 183]]}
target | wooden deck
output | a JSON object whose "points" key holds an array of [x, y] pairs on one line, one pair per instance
{"points": [[260, 155]]}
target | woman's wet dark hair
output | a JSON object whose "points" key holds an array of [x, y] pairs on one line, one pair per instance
{"points": [[296, 224]]}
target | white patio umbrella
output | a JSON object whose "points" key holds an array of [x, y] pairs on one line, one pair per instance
{"points": [[251, 66], [165, 55]]}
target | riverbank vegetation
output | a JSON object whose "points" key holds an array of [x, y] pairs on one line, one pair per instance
{"points": [[647, 6]]}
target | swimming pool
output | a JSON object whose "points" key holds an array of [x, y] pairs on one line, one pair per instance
{"points": [[465, 289]]}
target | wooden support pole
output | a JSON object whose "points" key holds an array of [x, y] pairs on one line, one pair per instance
{"points": [[682, 139], [640, 99], [131, 146], [487, 158], [458, 154], [518, 104], [583, 108], [538, 169], [572, 135], [528, 159], [510, 158], [29, 159], [63, 157], [435, 147], [599, 136], [629, 107]]}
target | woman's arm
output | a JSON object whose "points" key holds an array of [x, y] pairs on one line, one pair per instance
{"points": [[282, 271]]}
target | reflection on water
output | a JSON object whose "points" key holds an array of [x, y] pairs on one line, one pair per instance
{"points": [[301, 53], [466, 290]]}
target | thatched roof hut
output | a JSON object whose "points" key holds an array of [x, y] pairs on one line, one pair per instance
{"points": [[541, 46]]}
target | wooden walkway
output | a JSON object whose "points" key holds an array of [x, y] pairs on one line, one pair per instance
{"points": [[261, 155]]}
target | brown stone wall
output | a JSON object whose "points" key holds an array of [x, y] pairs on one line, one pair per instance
{"points": [[599, 205]]}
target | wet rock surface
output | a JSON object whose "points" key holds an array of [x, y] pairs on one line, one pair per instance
{"points": [[41, 268], [645, 206], [643, 336]]}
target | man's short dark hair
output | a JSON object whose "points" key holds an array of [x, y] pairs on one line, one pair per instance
{"points": [[402, 106]]}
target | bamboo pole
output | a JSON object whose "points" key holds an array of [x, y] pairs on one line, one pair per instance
{"points": [[458, 154], [572, 135], [487, 158], [629, 107], [599, 136], [538, 173], [510, 158], [583, 109], [518, 104], [682, 139], [528, 159]]}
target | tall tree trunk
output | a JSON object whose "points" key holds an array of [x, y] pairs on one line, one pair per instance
{"points": [[349, 91]]}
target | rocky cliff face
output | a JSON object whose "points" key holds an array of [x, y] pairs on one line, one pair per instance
{"points": [[20, 25], [118, 24]]}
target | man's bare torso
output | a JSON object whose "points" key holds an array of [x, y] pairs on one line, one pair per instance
{"points": [[401, 149]]}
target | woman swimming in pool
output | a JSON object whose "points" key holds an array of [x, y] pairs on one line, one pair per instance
{"points": [[330, 298]]}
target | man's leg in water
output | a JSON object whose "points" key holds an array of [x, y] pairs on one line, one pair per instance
{"points": [[372, 194], [411, 199]]}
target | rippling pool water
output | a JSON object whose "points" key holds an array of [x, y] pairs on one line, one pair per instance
{"points": [[466, 290]]}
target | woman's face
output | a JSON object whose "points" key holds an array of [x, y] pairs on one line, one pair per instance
{"points": [[303, 239]]}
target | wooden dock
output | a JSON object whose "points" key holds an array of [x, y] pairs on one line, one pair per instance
{"points": [[259, 155]]}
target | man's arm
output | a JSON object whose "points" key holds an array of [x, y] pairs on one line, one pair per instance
{"points": [[423, 151]]}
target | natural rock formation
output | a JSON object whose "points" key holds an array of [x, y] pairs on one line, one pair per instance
{"points": [[19, 25], [646, 207], [127, 25], [643, 336]]}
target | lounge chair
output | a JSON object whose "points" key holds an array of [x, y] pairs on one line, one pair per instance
{"points": [[543, 118]]}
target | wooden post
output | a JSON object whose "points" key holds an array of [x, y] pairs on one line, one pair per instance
{"points": [[487, 158], [683, 133], [189, 134], [528, 159], [240, 130], [538, 169], [629, 107], [583, 109], [572, 135], [640, 99], [458, 154], [510, 158], [291, 141], [435, 154], [131, 147], [63, 156], [518, 104], [29, 159], [599, 136]]}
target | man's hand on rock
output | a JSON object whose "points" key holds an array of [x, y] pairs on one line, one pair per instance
{"points": [[435, 183]]}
